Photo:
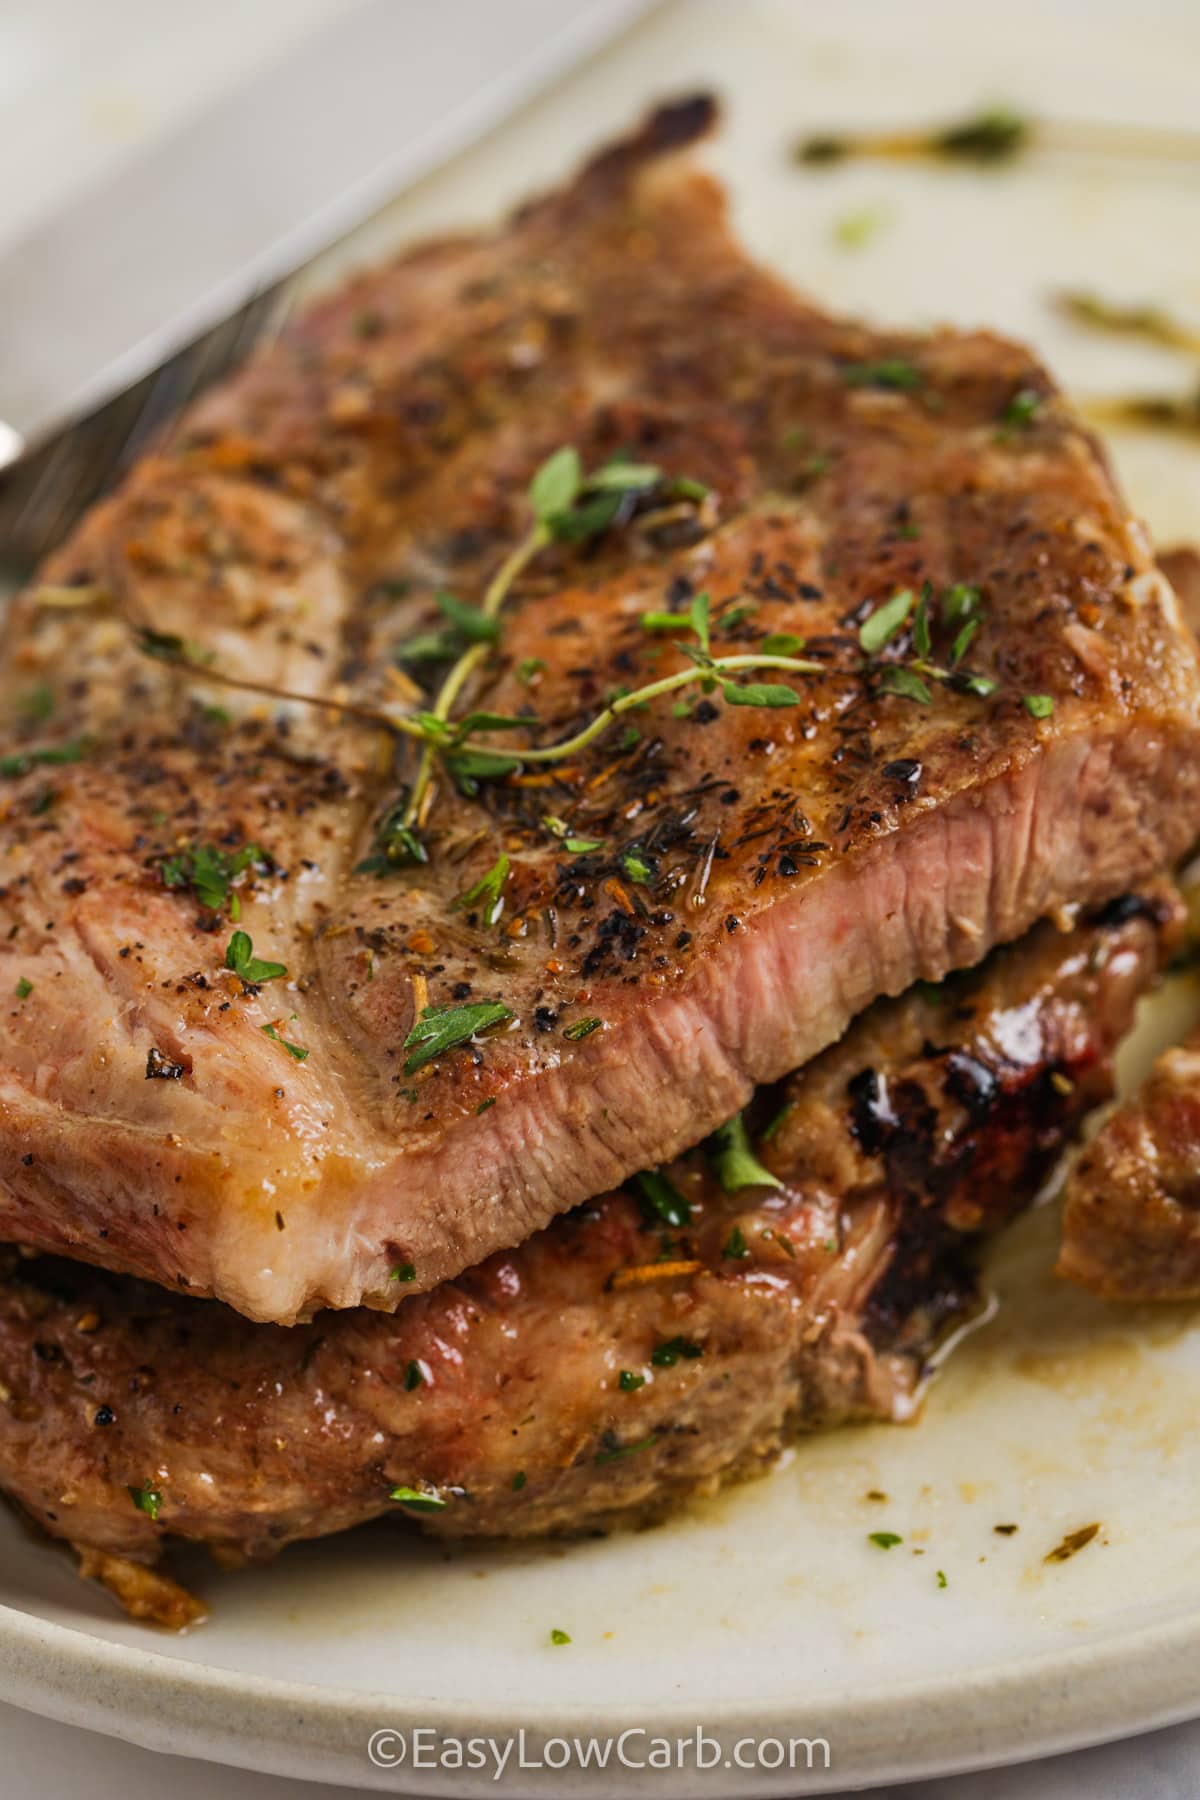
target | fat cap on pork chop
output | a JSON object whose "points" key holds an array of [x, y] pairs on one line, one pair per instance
{"points": [[174, 1106]]}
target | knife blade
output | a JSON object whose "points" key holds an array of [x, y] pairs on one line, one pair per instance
{"points": [[174, 262]]}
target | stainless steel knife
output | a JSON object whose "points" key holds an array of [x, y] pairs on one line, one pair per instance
{"points": [[113, 311]]}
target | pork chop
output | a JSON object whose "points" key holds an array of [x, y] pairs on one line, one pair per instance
{"points": [[449, 1008], [1131, 1213], [644, 1348]]}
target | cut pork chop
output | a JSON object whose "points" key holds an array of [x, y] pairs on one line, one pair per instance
{"points": [[646, 1347], [752, 873], [1131, 1214]]}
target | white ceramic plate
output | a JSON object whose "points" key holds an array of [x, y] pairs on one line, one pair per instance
{"points": [[770, 1612]]}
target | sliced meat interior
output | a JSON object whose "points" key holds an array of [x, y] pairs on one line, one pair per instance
{"points": [[795, 1272], [422, 1036]]}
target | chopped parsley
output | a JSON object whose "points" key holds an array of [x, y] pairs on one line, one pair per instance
{"points": [[489, 890], [405, 1272], [441, 1028], [51, 756], [210, 873], [855, 230], [630, 1381], [891, 372], [23, 988], [736, 1248], [736, 1165], [574, 846], [662, 1200], [666, 1355], [147, 1499], [296, 1051], [637, 868], [941, 1579], [240, 957], [1039, 706], [884, 1540], [418, 1499], [983, 685], [1021, 410], [559, 1637], [413, 1377]]}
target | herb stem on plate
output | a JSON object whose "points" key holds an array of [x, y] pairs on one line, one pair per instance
{"points": [[999, 135]]}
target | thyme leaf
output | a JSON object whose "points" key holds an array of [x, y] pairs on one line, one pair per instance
{"points": [[489, 889], [896, 679], [147, 1499], [891, 372], [662, 1200], [884, 621], [297, 1052], [420, 1500], [556, 485], [240, 957], [475, 626], [442, 1028], [50, 756], [759, 693], [736, 1165], [210, 873]]}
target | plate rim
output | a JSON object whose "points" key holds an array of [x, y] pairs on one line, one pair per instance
{"points": [[1063, 1699]]}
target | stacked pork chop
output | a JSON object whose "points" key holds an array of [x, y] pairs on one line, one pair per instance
{"points": [[356, 944]]}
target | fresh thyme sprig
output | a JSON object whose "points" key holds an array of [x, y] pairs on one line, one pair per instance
{"points": [[1153, 323], [707, 670], [567, 504], [165, 647], [961, 611], [999, 134]]}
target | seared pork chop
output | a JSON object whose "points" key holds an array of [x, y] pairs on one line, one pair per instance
{"points": [[1181, 566], [644, 1348], [1131, 1213], [420, 1040]]}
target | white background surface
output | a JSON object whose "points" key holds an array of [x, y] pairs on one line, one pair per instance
{"points": [[81, 86]]}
